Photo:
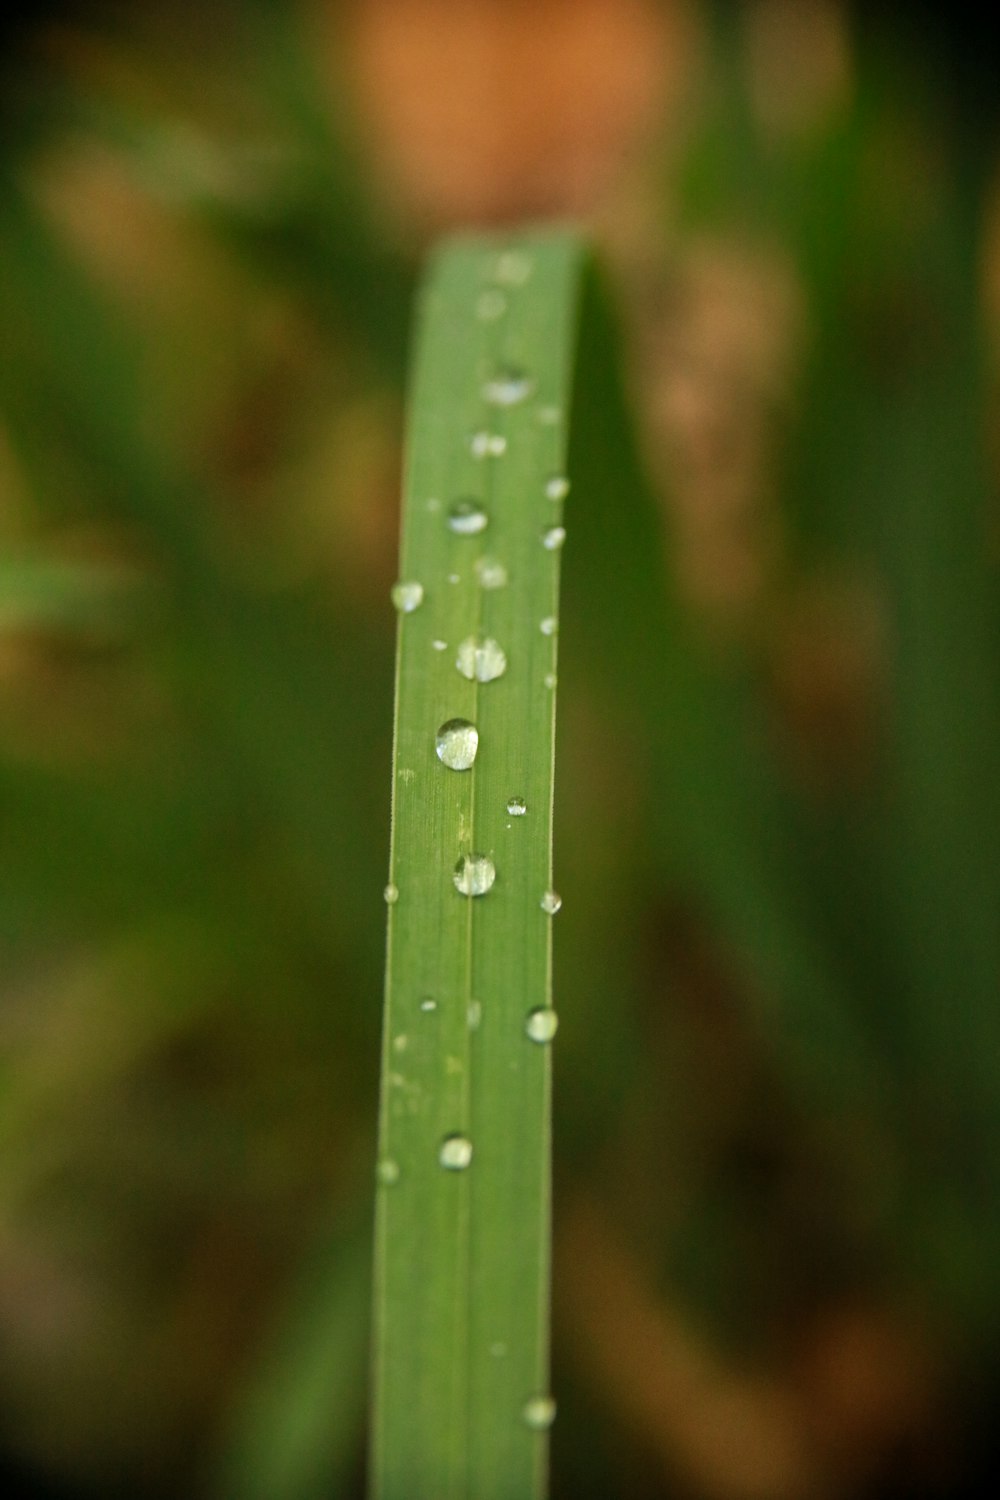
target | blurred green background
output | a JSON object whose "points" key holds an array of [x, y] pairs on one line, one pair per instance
{"points": [[778, 1080]]}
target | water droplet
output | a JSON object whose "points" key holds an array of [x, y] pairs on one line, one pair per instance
{"points": [[513, 267], [550, 903], [455, 1153], [548, 416], [542, 1024], [407, 596], [387, 1171], [487, 445], [474, 1014], [474, 875], [454, 578], [481, 661], [517, 807], [467, 518], [498, 1350], [539, 1413], [491, 304], [508, 387], [553, 538], [557, 488], [428, 1004], [550, 679], [440, 645], [433, 505], [456, 743], [391, 894], [549, 625], [491, 573]]}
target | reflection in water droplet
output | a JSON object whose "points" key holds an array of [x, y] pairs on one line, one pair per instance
{"points": [[551, 902], [541, 1024], [549, 625], [428, 1004], [456, 743], [455, 1153], [474, 1014], [539, 1413], [481, 661], [391, 894], [553, 537], [467, 518], [557, 488], [387, 1171], [407, 596], [492, 304], [517, 807], [487, 445], [474, 875], [508, 388], [491, 573]]}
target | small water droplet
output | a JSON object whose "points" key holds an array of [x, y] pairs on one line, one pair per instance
{"points": [[456, 743], [549, 625], [508, 387], [548, 416], [491, 304], [407, 597], [541, 1024], [513, 267], [517, 807], [481, 660], [487, 445], [491, 573], [454, 578], [401, 1042], [428, 1004], [434, 504], [391, 894], [467, 517], [387, 1171], [498, 1350], [550, 679], [557, 488], [474, 1014], [550, 903], [474, 875], [440, 645], [455, 1153], [553, 538], [539, 1413]]}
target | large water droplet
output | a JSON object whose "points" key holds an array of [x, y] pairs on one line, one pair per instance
{"points": [[553, 538], [474, 875], [491, 573], [387, 1171], [549, 625], [456, 743], [539, 1413], [467, 517], [481, 660], [541, 1024], [492, 304], [487, 445], [517, 807], [391, 894], [455, 1153], [550, 903], [557, 488], [407, 596], [508, 387]]}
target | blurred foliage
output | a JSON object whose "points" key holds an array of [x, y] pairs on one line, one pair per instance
{"points": [[778, 1083]]}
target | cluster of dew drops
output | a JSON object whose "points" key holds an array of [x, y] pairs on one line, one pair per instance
{"points": [[482, 659]]}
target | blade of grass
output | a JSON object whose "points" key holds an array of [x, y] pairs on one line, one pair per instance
{"points": [[462, 1256]]}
